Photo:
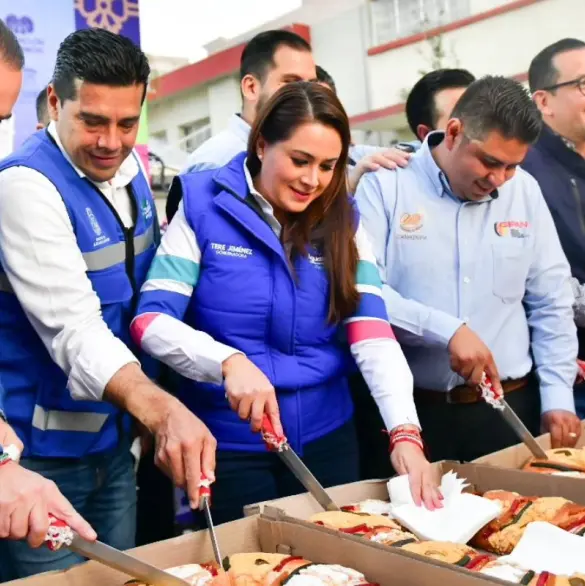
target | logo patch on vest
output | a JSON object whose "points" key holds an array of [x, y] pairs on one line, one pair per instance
{"points": [[94, 223], [101, 237], [318, 261], [146, 210], [231, 250]]}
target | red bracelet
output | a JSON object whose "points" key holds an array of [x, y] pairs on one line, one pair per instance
{"points": [[401, 434]]}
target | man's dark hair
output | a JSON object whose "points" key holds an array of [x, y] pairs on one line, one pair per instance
{"points": [[496, 103], [420, 104], [258, 55], [542, 72], [100, 57], [324, 77], [10, 49], [42, 106]]}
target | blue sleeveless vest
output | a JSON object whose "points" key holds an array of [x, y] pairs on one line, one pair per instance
{"points": [[37, 403], [248, 297]]}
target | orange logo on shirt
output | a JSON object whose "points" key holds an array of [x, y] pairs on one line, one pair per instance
{"points": [[512, 228], [411, 222]]}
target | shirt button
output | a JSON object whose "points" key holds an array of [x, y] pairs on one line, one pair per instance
{"points": [[466, 319], [466, 280]]}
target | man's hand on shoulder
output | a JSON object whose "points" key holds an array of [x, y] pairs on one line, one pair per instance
{"points": [[388, 159]]}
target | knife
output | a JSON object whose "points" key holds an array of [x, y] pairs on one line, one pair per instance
{"points": [[280, 445], [204, 503], [61, 535], [500, 404]]}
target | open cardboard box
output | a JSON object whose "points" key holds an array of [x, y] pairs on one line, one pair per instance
{"points": [[481, 478], [274, 533], [516, 456]]}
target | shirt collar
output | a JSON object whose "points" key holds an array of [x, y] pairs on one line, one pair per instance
{"points": [[239, 127], [435, 174], [124, 175]]}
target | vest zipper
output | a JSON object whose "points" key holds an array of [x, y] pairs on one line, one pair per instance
{"points": [[577, 196]]}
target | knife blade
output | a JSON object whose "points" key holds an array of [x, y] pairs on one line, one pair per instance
{"points": [[61, 535], [205, 498], [522, 431], [500, 404], [124, 563], [280, 445]]}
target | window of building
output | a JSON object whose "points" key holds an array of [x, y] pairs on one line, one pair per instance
{"points": [[194, 134], [394, 19]]}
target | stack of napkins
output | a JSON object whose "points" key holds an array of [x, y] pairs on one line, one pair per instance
{"points": [[461, 517], [546, 548]]}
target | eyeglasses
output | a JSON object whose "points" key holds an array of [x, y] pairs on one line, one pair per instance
{"points": [[579, 83]]}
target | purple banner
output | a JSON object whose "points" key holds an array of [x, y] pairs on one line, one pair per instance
{"points": [[117, 16]]}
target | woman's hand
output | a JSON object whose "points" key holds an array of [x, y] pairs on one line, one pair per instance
{"points": [[408, 458], [250, 393]]}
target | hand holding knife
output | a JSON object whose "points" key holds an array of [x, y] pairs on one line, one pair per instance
{"points": [[279, 444], [61, 535], [204, 504], [498, 402]]}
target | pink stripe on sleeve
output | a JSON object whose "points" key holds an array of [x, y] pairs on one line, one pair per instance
{"points": [[140, 325], [358, 331]]}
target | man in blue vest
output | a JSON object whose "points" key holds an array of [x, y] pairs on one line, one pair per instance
{"points": [[25, 497], [77, 234]]}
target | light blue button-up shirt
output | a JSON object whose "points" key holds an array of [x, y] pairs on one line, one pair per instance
{"points": [[496, 265]]}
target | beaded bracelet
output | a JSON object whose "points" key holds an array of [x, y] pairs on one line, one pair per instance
{"points": [[405, 435]]}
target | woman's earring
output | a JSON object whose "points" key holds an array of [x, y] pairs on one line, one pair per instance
{"points": [[259, 157]]}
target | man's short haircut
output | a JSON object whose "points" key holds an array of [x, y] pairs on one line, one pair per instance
{"points": [[496, 103], [420, 104], [258, 55], [542, 72], [10, 50], [324, 77], [42, 106], [99, 57]]}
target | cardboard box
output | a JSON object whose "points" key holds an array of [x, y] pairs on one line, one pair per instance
{"points": [[275, 534], [516, 456], [481, 478]]}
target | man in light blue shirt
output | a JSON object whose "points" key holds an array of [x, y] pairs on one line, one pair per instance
{"points": [[469, 252]]}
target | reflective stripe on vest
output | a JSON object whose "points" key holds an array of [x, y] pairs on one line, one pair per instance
{"points": [[110, 256], [67, 420], [5, 286]]}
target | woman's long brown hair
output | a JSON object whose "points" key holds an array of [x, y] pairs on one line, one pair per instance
{"points": [[329, 222]]}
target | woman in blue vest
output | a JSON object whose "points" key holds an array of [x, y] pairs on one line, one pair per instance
{"points": [[260, 268]]}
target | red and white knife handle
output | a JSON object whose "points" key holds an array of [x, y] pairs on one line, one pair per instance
{"points": [[274, 442], [59, 534], [487, 390], [204, 490]]}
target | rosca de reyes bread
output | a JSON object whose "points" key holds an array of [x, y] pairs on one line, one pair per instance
{"points": [[560, 462], [352, 522], [262, 569], [501, 535]]}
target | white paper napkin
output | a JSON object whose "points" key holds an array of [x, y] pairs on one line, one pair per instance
{"points": [[546, 548], [461, 517]]}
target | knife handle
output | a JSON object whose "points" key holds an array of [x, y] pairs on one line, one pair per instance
{"points": [[204, 490], [59, 534], [486, 387], [274, 442]]}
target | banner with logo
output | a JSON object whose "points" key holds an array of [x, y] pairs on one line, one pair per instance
{"points": [[40, 28]]}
